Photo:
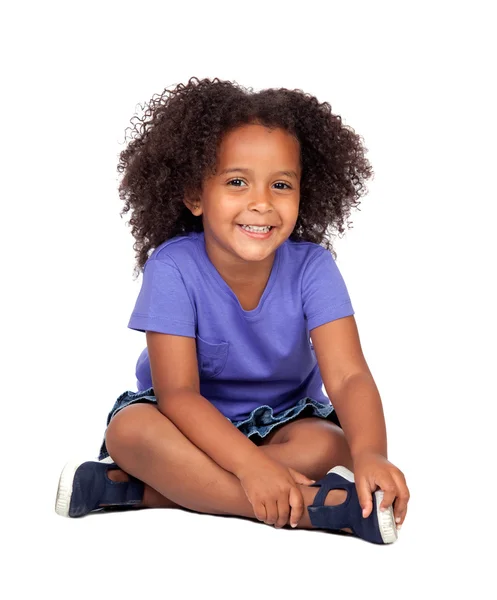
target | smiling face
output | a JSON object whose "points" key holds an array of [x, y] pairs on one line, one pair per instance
{"points": [[262, 187]]}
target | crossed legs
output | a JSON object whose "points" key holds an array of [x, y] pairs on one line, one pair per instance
{"points": [[147, 445]]}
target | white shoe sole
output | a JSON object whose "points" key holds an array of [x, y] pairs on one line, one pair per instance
{"points": [[64, 491], [386, 519]]}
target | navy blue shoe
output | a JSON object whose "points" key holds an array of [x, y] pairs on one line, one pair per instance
{"points": [[84, 486], [378, 528]]}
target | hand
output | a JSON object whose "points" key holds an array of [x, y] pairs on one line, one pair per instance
{"points": [[273, 491], [373, 470]]}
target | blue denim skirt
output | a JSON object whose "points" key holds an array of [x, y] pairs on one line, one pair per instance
{"points": [[256, 426]]}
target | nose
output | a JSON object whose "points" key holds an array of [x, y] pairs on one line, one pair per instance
{"points": [[261, 202]]}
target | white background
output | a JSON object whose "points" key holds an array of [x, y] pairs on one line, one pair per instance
{"points": [[416, 81]]}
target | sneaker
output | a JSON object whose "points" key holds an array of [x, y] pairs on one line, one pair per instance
{"points": [[378, 528], [84, 486]]}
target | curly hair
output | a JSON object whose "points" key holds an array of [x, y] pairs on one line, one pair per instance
{"points": [[175, 145]]}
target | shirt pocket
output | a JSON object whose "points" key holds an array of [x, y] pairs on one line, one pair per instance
{"points": [[212, 356]]}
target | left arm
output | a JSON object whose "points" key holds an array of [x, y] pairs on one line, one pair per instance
{"points": [[353, 392], [350, 385]]}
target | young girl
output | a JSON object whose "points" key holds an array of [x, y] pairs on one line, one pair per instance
{"points": [[246, 317]]}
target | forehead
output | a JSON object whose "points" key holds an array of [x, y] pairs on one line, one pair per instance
{"points": [[257, 143]]}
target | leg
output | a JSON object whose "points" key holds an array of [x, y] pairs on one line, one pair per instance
{"points": [[146, 444], [309, 445]]}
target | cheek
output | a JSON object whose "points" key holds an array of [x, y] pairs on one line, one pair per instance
{"points": [[292, 214], [225, 209]]}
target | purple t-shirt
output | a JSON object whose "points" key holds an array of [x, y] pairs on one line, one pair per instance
{"points": [[246, 358]]}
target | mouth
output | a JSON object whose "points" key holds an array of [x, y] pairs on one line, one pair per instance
{"points": [[261, 235]]}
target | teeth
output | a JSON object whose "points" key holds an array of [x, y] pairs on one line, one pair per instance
{"points": [[256, 229]]}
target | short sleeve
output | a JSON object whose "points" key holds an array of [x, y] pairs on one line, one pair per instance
{"points": [[163, 303], [324, 293]]}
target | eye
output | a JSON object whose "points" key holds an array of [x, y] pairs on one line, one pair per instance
{"points": [[277, 183]]}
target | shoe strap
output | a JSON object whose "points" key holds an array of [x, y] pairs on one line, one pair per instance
{"points": [[123, 492], [331, 517]]}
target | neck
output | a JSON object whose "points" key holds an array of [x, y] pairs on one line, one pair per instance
{"points": [[238, 271]]}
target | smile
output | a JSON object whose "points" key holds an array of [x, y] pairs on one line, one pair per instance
{"points": [[258, 235]]}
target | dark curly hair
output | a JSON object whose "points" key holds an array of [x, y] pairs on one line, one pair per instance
{"points": [[174, 146]]}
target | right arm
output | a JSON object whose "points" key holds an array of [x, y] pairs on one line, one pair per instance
{"points": [[176, 383], [270, 487]]}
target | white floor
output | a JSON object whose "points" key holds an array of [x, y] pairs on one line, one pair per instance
{"points": [[181, 554]]}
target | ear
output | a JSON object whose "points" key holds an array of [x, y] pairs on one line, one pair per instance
{"points": [[195, 206]]}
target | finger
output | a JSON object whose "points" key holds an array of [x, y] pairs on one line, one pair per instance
{"points": [[300, 477], [271, 512], [399, 516], [283, 511], [390, 491], [400, 504], [304, 480], [296, 501], [364, 493], [259, 510]]}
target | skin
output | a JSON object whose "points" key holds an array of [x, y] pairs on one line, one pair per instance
{"points": [[264, 196], [261, 196]]}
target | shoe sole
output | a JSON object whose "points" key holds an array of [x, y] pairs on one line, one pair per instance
{"points": [[386, 519], [66, 480], [64, 491]]}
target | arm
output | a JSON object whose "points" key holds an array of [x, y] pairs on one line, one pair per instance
{"points": [[176, 384], [360, 411], [204, 425], [350, 385]]}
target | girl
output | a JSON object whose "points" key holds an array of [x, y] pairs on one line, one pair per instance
{"points": [[246, 317]]}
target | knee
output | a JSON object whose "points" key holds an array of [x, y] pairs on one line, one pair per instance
{"points": [[128, 428], [337, 448], [331, 447]]}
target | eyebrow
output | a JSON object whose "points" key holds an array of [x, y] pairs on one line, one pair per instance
{"points": [[288, 173]]}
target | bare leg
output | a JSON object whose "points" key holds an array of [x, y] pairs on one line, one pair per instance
{"points": [[310, 450], [146, 444], [304, 452]]}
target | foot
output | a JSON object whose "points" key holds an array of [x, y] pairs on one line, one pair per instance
{"points": [[333, 498], [116, 475], [151, 498], [84, 486], [378, 528]]}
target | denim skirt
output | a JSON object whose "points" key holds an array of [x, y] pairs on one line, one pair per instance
{"points": [[256, 426]]}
